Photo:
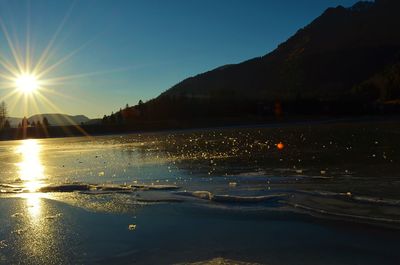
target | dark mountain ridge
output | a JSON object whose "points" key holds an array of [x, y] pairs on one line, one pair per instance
{"points": [[324, 60], [345, 61]]}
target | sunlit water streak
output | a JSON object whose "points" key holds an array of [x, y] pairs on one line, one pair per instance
{"points": [[36, 232], [31, 170], [31, 173]]}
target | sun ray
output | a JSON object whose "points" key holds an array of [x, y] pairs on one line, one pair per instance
{"points": [[62, 60], [29, 77], [35, 105], [14, 103], [45, 55], [11, 45], [28, 38], [53, 92], [79, 128], [10, 94], [6, 85], [8, 66], [83, 75], [4, 76]]}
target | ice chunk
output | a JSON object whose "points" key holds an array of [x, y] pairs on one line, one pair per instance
{"points": [[17, 215], [3, 244], [232, 184], [65, 188], [53, 216]]}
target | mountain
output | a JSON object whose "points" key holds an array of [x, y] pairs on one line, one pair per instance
{"points": [[60, 119], [54, 119], [346, 54]]}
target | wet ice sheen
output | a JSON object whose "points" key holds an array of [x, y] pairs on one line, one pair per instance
{"points": [[326, 171], [230, 165]]}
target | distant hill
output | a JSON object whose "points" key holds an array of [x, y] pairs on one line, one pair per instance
{"points": [[346, 54], [60, 119], [54, 119]]}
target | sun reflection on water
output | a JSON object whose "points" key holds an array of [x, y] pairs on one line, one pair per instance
{"points": [[31, 173], [35, 224], [31, 170], [33, 204]]}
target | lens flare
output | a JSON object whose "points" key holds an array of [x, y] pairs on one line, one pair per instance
{"points": [[280, 146]]}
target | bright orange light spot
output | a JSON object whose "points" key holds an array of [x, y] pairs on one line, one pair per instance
{"points": [[280, 145]]}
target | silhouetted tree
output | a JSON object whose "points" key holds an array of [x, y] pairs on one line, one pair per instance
{"points": [[3, 114], [38, 125], [7, 124], [112, 118], [24, 123], [120, 118], [140, 108], [104, 121], [45, 122]]}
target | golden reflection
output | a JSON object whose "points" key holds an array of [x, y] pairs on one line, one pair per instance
{"points": [[39, 238], [33, 204], [31, 170], [31, 173]]}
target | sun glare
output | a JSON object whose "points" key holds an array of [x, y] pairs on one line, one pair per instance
{"points": [[29, 81], [31, 170], [26, 83]]}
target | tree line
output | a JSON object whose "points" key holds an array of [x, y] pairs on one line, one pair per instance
{"points": [[25, 123], [182, 108], [4, 122], [126, 115]]}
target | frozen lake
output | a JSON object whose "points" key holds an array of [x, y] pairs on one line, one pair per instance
{"points": [[330, 195]]}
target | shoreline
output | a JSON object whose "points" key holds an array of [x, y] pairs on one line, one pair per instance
{"points": [[55, 132]]}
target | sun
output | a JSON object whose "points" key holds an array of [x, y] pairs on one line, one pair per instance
{"points": [[27, 83]]}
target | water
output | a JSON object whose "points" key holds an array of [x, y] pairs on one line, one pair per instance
{"points": [[330, 196]]}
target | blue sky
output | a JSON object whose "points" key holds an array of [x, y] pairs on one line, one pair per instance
{"points": [[126, 50]]}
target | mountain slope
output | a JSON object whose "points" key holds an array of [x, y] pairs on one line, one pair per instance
{"points": [[324, 61]]}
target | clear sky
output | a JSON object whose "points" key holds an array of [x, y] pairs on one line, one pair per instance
{"points": [[120, 51]]}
